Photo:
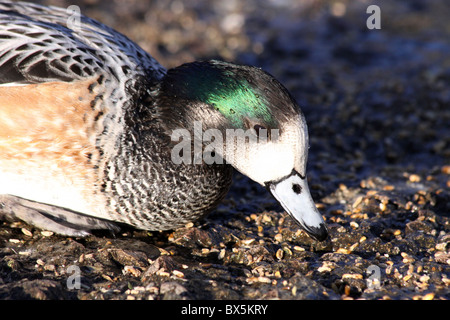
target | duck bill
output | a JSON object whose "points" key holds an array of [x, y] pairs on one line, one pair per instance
{"points": [[293, 194]]}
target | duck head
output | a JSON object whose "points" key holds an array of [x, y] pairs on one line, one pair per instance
{"points": [[257, 127]]}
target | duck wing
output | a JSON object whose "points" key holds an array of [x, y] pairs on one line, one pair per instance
{"points": [[40, 44], [66, 82]]}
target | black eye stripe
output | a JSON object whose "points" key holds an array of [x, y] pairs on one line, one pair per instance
{"points": [[274, 182], [296, 188]]}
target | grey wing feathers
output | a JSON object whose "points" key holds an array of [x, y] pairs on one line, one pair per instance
{"points": [[40, 44]]}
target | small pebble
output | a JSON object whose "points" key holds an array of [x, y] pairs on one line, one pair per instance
{"points": [[49, 267], [131, 270]]}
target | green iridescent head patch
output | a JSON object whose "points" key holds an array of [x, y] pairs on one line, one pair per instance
{"points": [[226, 88]]}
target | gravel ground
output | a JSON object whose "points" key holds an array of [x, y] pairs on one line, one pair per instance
{"points": [[377, 106]]}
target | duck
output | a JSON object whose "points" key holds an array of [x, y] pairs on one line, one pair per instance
{"points": [[96, 134]]}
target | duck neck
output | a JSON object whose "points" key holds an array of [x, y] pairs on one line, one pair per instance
{"points": [[143, 179]]}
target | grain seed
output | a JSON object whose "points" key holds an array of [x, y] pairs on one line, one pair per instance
{"points": [[26, 232], [352, 276], [40, 262], [407, 277], [428, 296], [279, 254], [445, 169], [178, 274], [357, 202], [221, 254], [47, 233], [278, 237]]}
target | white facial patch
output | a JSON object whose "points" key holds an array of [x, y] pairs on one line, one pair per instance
{"points": [[266, 162], [273, 159]]}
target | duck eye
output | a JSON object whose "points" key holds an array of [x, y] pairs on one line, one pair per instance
{"points": [[296, 188], [260, 130]]}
